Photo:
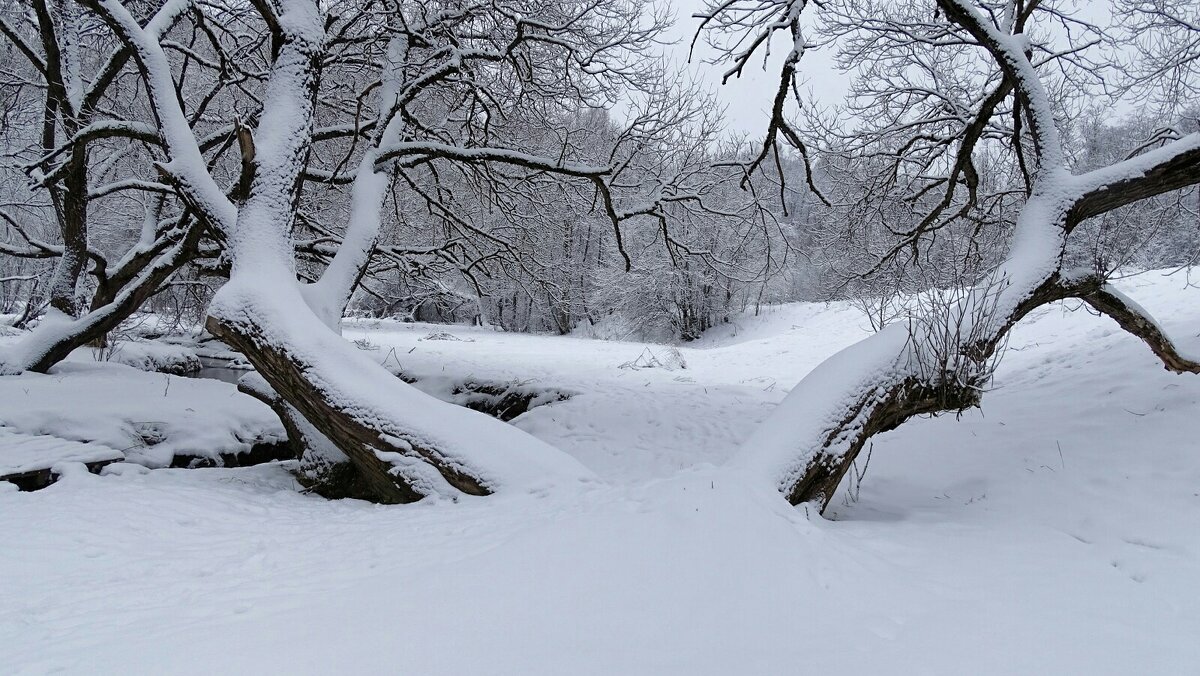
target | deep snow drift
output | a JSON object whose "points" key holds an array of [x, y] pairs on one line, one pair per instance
{"points": [[1056, 531]]}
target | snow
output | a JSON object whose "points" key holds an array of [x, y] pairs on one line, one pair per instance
{"points": [[499, 456], [20, 453], [150, 417], [145, 355], [14, 355], [1053, 532]]}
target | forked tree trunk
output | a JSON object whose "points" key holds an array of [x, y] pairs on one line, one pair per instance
{"points": [[405, 443]]}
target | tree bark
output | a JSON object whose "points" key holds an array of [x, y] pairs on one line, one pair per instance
{"points": [[305, 363], [71, 205]]}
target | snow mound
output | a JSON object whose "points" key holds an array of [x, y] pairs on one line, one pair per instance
{"points": [[145, 355], [23, 453], [446, 335], [151, 417]]}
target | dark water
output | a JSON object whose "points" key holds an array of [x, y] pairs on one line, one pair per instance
{"points": [[216, 369]]}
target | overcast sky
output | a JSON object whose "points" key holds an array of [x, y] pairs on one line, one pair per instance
{"points": [[748, 99]]}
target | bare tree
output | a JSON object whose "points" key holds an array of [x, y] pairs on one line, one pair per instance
{"points": [[927, 129], [426, 101], [1167, 38], [94, 155]]}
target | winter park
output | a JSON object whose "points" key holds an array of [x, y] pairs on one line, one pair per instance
{"points": [[599, 337]]}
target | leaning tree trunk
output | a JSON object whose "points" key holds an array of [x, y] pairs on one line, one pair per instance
{"points": [[940, 363], [404, 443], [58, 334]]}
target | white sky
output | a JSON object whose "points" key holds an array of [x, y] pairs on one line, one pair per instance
{"points": [[748, 99]]}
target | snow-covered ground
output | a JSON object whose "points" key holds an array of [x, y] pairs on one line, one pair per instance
{"points": [[1055, 531], [151, 418]]}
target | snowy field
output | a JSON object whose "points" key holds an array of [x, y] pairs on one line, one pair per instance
{"points": [[1055, 531]]}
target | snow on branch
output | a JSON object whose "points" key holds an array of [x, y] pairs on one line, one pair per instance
{"points": [[1107, 300], [422, 151], [1011, 53], [1170, 167]]}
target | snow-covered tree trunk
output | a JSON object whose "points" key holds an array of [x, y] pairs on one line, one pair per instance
{"points": [[939, 364], [942, 362], [404, 444], [59, 334], [74, 117]]}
